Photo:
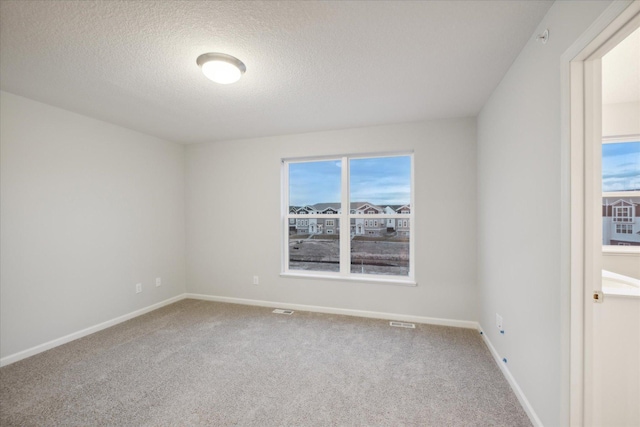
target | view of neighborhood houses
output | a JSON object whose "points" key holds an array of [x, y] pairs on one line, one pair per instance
{"points": [[378, 245], [621, 221], [359, 226], [621, 174]]}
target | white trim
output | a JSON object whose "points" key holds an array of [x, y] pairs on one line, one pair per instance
{"points": [[616, 139], [468, 324], [572, 243], [399, 153], [620, 194], [512, 381], [345, 222], [382, 215], [592, 223], [621, 250], [613, 35], [12, 358], [413, 223], [312, 215], [597, 31], [353, 277]]}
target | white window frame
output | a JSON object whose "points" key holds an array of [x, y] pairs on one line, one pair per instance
{"points": [[345, 215]]}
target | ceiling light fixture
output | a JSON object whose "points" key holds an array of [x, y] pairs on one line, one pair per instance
{"points": [[221, 68]]}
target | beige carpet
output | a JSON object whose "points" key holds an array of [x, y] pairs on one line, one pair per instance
{"points": [[204, 363]]}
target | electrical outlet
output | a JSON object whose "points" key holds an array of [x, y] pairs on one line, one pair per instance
{"points": [[158, 281], [499, 324], [138, 288], [256, 280]]}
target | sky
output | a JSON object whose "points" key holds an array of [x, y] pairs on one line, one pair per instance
{"points": [[621, 166], [380, 180]]}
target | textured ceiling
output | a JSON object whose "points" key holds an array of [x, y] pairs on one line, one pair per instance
{"points": [[310, 65]]}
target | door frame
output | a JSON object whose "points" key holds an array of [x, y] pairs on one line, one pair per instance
{"points": [[580, 72]]}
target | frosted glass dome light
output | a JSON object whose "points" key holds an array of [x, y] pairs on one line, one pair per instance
{"points": [[221, 68]]}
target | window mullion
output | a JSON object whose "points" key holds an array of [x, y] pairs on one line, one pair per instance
{"points": [[412, 229], [285, 219], [345, 226]]}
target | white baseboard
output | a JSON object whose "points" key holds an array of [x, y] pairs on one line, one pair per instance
{"points": [[7, 360], [512, 381], [344, 311]]}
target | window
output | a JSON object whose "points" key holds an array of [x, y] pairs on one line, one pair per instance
{"points": [[621, 166], [620, 190], [622, 214], [348, 189], [624, 228]]}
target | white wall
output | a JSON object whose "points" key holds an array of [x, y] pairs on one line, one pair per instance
{"points": [[621, 119], [627, 264], [88, 210], [234, 226], [519, 211]]}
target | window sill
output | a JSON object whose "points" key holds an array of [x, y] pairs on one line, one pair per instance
{"points": [[353, 278], [621, 250]]}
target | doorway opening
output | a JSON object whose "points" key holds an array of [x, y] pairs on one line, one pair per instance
{"points": [[601, 211]]}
